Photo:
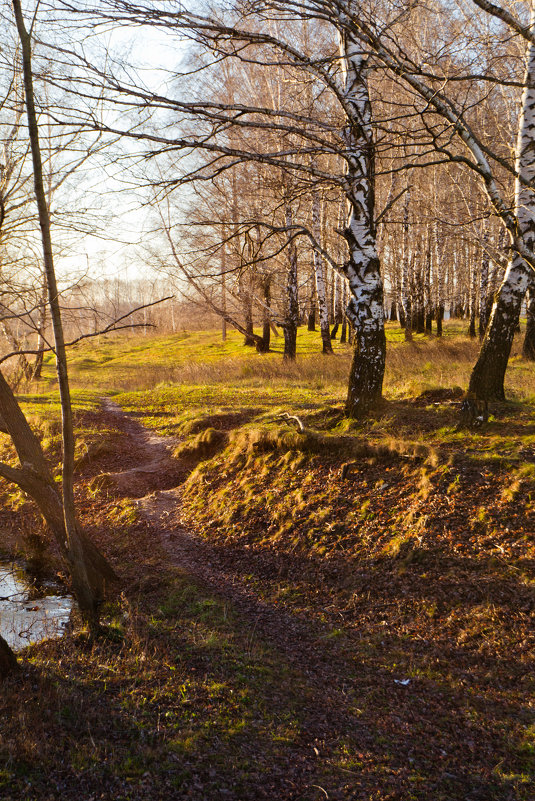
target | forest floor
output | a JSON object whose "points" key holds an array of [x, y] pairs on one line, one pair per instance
{"points": [[288, 628]]}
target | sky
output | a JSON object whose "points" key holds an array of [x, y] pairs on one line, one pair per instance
{"points": [[118, 249]]}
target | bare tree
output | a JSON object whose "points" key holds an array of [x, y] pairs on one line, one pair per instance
{"points": [[89, 569], [341, 146]]}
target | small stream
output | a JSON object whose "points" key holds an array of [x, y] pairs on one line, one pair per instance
{"points": [[25, 618]]}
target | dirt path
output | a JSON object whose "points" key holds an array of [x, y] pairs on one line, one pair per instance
{"points": [[378, 684], [219, 569], [316, 677]]}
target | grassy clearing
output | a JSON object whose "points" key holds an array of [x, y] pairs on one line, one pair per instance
{"points": [[384, 644]]}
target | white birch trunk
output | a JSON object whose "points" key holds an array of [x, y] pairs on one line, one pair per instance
{"points": [[472, 301], [291, 317], [528, 348], [405, 283], [343, 333], [337, 304], [487, 379], [365, 307], [223, 285], [440, 282], [484, 285], [321, 293]]}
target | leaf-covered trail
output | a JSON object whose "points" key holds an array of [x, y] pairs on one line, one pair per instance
{"points": [[389, 710], [220, 570]]}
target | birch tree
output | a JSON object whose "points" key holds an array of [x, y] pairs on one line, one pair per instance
{"points": [[337, 151], [431, 60], [487, 379]]}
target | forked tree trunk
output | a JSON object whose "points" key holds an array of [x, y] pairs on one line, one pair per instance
{"points": [[35, 478], [488, 375], [365, 309]]}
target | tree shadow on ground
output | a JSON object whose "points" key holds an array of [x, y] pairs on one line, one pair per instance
{"points": [[193, 697]]}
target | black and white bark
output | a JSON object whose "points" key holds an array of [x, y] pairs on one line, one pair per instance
{"points": [[472, 299], [343, 332], [528, 347], [319, 273], [488, 375], [406, 301], [365, 308], [311, 303], [291, 315], [242, 33], [428, 297], [484, 285]]}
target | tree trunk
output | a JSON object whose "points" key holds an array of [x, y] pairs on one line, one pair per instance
{"points": [[428, 301], [487, 379], [35, 478], [291, 317], [528, 348], [224, 286], [365, 308], [473, 295], [87, 593], [39, 359], [25, 369], [247, 305], [418, 323], [263, 346], [320, 275], [311, 316], [484, 286], [343, 332], [8, 660], [337, 305], [439, 281], [405, 284]]}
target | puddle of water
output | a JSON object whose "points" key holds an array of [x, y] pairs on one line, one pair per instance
{"points": [[23, 621]]}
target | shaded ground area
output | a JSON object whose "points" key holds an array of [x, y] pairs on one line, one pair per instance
{"points": [[244, 662]]}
